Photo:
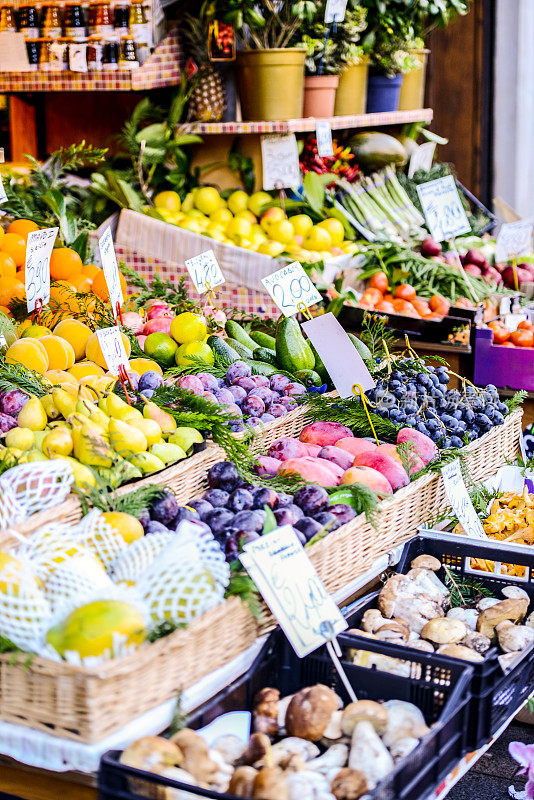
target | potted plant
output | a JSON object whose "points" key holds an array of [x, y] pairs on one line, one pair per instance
{"points": [[270, 71], [351, 92]]}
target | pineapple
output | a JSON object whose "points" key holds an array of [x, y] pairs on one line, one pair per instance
{"points": [[207, 102]]}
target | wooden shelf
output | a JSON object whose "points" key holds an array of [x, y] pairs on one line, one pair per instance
{"points": [[308, 123]]}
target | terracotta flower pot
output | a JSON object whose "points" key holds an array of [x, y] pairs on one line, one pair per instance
{"points": [[320, 95], [351, 94], [271, 83], [412, 94]]}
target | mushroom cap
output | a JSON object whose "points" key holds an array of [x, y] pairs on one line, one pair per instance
{"points": [[152, 753], [229, 746], [444, 630], [309, 712], [421, 644], [266, 711], [270, 784], [394, 631], [476, 641], [363, 711], [349, 784], [487, 602], [513, 638], [371, 620], [242, 782], [513, 609], [258, 746], [460, 651], [467, 615], [514, 592], [426, 562]]}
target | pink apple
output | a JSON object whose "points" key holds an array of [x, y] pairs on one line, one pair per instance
{"points": [[133, 321], [158, 325]]}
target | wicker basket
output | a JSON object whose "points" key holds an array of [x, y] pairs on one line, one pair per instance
{"points": [[89, 704]]}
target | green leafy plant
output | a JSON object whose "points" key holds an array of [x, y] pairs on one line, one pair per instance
{"points": [[266, 24], [331, 48]]}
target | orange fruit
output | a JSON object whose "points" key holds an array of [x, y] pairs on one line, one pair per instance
{"points": [[8, 268], [85, 369], [60, 352], [15, 246], [64, 262], [439, 304], [22, 227], [30, 353], [56, 376], [81, 282], [11, 288], [405, 292], [90, 270], [75, 332], [379, 281], [5, 310], [94, 353], [100, 287]]}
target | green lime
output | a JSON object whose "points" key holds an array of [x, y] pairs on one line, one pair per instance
{"points": [[162, 348]]}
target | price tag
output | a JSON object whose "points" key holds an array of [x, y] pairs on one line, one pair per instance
{"points": [[292, 589], [443, 209], [514, 240], [112, 346], [460, 501], [3, 195], [341, 359], [335, 10], [512, 320], [111, 270], [323, 134], [205, 271], [291, 288], [422, 158], [3, 342], [280, 161], [37, 266]]}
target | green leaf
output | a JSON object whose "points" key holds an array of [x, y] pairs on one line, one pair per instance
{"points": [[270, 523], [314, 191], [80, 244], [433, 137]]}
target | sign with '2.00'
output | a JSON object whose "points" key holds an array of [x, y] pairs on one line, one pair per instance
{"points": [[443, 209], [291, 289]]}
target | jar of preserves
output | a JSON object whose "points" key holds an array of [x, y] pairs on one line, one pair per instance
{"points": [[100, 20], [33, 47], [7, 19], [128, 53], [110, 56], [121, 18], [74, 21], [59, 54], [29, 21], [78, 55], [139, 28], [44, 53], [51, 21], [94, 53]]}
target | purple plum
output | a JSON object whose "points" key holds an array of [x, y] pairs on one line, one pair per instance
{"points": [[288, 402], [249, 520], [260, 380], [264, 394], [185, 513], [265, 418], [208, 381], [144, 518], [238, 393], [284, 500], [236, 371], [236, 427], [231, 547], [219, 520], [246, 383], [309, 527], [13, 401], [263, 496], [278, 382], [296, 512], [210, 396], [201, 506], [294, 389], [216, 497], [328, 520], [253, 406], [155, 527], [312, 499], [191, 383], [278, 410], [342, 512], [223, 475], [283, 516], [240, 500], [245, 537], [165, 509], [7, 422], [224, 396], [251, 421], [149, 380]]}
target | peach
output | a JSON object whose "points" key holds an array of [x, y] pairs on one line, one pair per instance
{"points": [[368, 477], [324, 433], [355, 446], [141, 341], [415, 464], [158, 325], [313, 470], [385, 464], [267, 466], [337, 456], [423, 446], [313, 450], [286, 448]]}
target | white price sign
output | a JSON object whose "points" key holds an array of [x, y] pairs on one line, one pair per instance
{"points": [[3, 195], [443, 209], [37, 266], [205, 271], [111, 270], [514, 240], [112, 346], [335, 11], [291, 289], [422, 158], [323, 134], [460, 501], [341, 359], [3, 342], [292, 589], [512, 320], [280, 161]]}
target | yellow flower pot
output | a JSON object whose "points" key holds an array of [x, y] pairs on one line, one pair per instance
{"points": [[412, 93], [271, 83], [351, 94]]}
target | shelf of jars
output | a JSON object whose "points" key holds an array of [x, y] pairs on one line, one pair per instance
{"points": [[162, 68]]}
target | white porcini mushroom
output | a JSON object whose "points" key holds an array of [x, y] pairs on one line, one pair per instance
{"points": [[507, 659], [422, 644], [476, 641], [460, 651], [333, 729], [363, 711], [221, 778], [368, 754], [529, 622], [230, 747], [396, 632], [487, 602], [282, 708], [444, 631], [364, 658], [293, 746], [467, 615], [429, 584], [372, 620], [426, 562], [404, 719], [403, 747], [513, 638], [308, 786], [514, 592], [335, 756], [402, 598], [175, 774]]}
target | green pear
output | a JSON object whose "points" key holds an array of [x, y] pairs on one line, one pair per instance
{"points": [[147, 463], [38, 437], [93, 412], [36, 455], [186, 438], [149, 427], [125, 439], [164, 420], [90, 447], [23, 438], [32, 415], [59, 441], [52, 411], [78, 420], [169, 453], [114, 405], [64, 402]]}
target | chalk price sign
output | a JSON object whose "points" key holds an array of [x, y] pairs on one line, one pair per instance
{"points": [[280, 161], [460, 501], [37, 266], [291, 288], [111, 270], [205, 271], [443, 209], [112, 346]]}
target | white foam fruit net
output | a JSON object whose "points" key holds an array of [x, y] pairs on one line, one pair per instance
{"points": [[76, 581], [133, 562], [24, 611], [99, 537], [28, 488]]}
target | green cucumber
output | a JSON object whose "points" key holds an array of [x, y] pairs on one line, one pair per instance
{"points": [[362, 348], [320, 367], [235, 331], [263, 339], [308, 377], [293, 352], [266, 355], [244, 352], [223, 349], [261, 368]]}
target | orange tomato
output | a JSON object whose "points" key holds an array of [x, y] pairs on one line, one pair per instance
{"points": [[421, 306], [386, 307], [64, 262], [433, 316], [100, 287], [11, 288], [464, 302], [379, 281], [525, 325], [365, 304], [404, 307], [405, 292], [8, 267], [501, 334], [373, 295], [22, 227], [507, 344], [15, 246], [439, 304], [522, 338]]}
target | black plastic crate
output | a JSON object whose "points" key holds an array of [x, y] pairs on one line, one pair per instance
{"points": [[443, 699], [494, 694]]}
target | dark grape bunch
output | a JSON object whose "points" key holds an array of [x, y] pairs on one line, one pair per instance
{"points": [[422, 401], [234, 511]]}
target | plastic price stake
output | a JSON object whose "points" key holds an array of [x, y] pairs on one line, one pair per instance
{"points": [[280, 161], [111, 270], [205, 271], [422, 158], [341, 359], [292, 589], [335, 11], [112, 346], [37, 267], [323, 134], [291, 288], [443, 209], [514, 240], [460, 501], [3, 195]]}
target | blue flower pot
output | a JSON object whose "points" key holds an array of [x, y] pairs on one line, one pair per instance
{"points": [[383, 92]]}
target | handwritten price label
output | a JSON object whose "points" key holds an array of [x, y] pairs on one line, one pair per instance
{"points": [[205, 271], [514, 240], [323, 134], [37, 266], [292, 589], [443, 209], [111, 270], [3, 195], [422, 158], [280, 161], [460, 501], [335, 11], [291, 288], [112, 346]]}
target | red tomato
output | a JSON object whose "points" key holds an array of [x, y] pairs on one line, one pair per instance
{"points": [[386, 307], [405, 292], [522, 338], [421, 306], [525, 325], [373, 295], [439, 304], [501, 334], [379, 281]]}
